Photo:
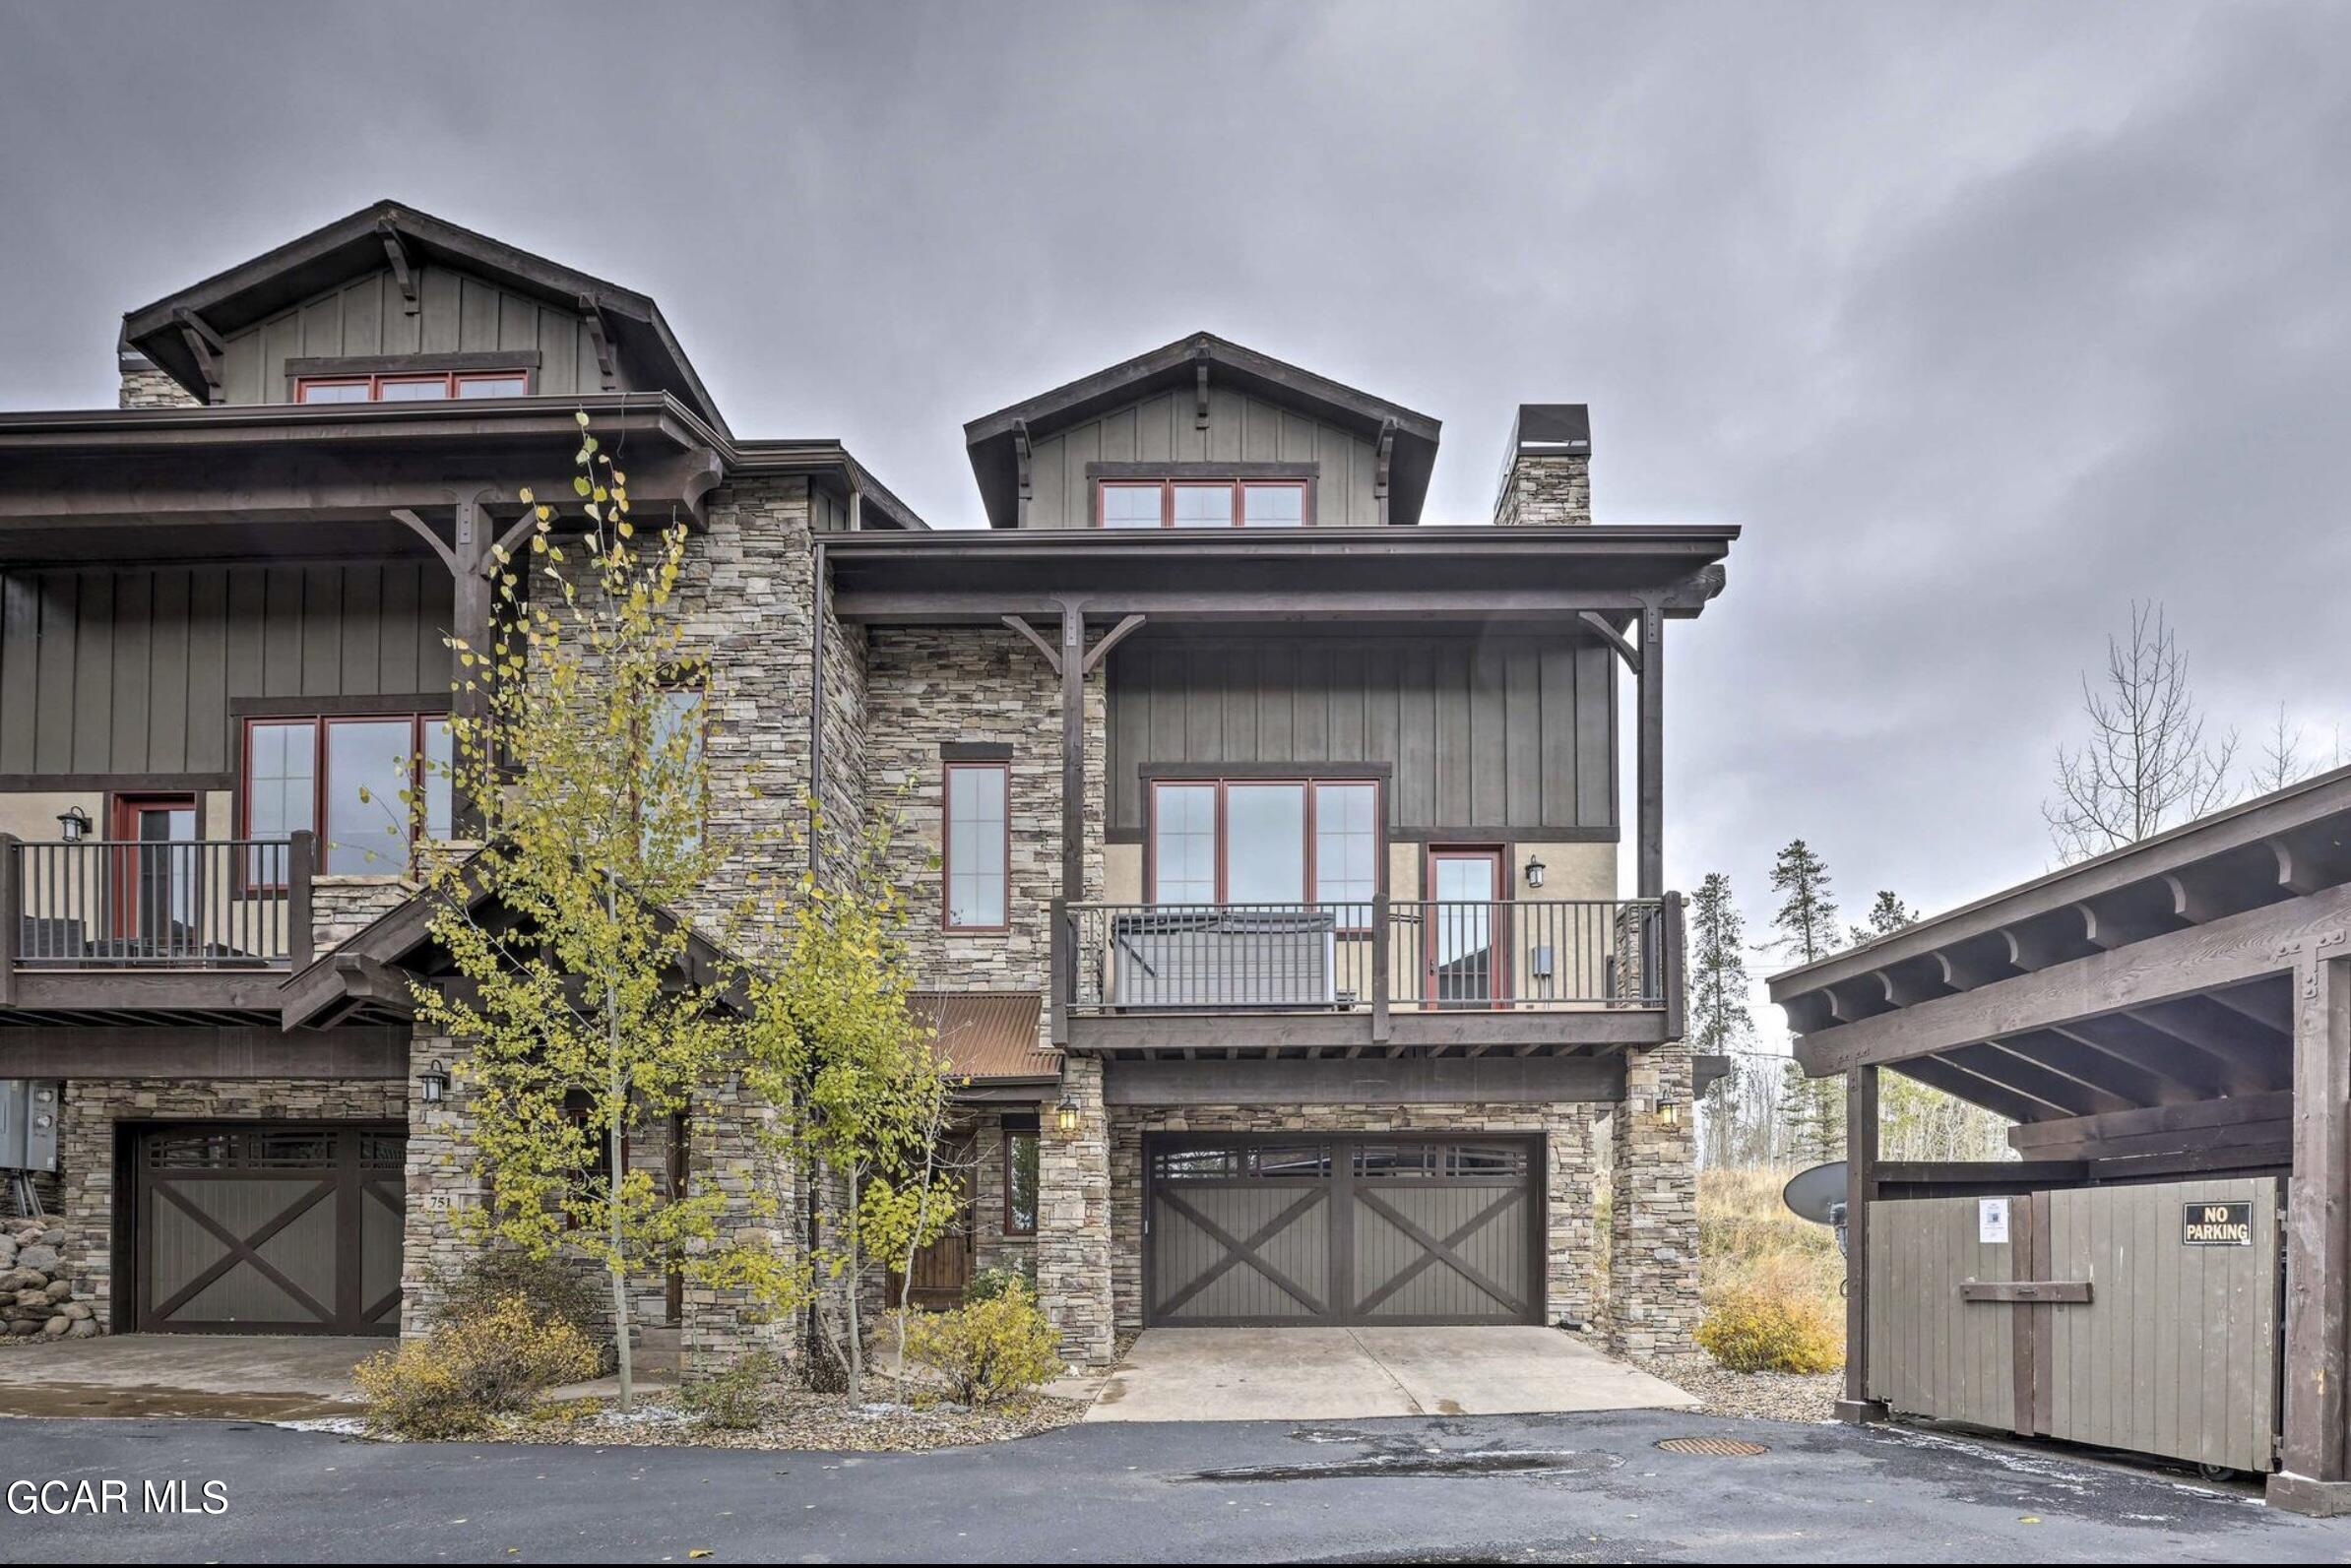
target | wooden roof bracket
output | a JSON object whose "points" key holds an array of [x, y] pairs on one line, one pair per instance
{"points": [[1020, 457], [1627, 648], [1052, 654], [1379, 469], [424, 531], [593, 315], [206, 349], [1110, 640], [395, 253], [1200, 386]]}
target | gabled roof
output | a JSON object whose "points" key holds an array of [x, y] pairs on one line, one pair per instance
{"points": [[231, 300], [992, 439]]}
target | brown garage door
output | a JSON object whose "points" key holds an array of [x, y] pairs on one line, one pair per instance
{"points": [[290, 1229], [1273, 1231]]}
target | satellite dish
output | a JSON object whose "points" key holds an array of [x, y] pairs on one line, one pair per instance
{"points": [[1812, 1194]]}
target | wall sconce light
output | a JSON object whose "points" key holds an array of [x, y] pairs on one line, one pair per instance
{"points": [[1534, 871], [1066, 1115], [74, 824], [1669, 1113], [433, 1083]]}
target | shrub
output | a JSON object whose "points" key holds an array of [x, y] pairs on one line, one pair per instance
{"points": [[1771, 1320], [987, 1350], [470, 1370], [553, 1286], [736, 1399], [1000, 1279]]}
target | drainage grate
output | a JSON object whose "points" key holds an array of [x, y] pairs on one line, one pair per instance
{"points": [[1713, 1447]]}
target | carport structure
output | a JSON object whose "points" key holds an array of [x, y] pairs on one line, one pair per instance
{"points": [[2175, 1010]]}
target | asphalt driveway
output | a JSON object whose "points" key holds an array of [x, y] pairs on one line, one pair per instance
{"points": [[1562, 1489], [1337, 1374]]}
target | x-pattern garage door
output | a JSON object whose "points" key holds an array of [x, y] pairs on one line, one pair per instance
{"points": [[258, 1229], [1356, 1230]]}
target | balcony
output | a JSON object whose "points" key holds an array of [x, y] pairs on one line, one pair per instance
{"points": [[1391, 974], [150, 927]]}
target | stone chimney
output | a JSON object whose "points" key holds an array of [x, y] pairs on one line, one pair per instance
{"points": [[144, 386], [1546, 474]]}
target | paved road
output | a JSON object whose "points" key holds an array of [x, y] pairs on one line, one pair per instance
{"points": [[1560, 1489]]}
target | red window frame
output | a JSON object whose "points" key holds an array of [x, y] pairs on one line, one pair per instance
{"points": [[1310, 785], [318, 723], [1027, 1127], [449, 381], [1499, 947], [947, 772], [129, 862], [1166, 488]]}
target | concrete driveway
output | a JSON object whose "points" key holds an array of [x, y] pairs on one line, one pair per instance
{"points": [[1343, 1374], [247, 1376]]}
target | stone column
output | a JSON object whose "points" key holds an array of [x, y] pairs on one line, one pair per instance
{"points": [[442, 1182], [1073, 1218], [1653, 1219], [1572, 1184]]}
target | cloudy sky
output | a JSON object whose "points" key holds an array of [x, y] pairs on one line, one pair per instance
{"points": [[1983, 319]]}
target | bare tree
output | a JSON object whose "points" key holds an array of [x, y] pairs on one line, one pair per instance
{"points": [[2280, 762], [2146, 763]]}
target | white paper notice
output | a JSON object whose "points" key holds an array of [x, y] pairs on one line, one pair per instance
{"points": [[1991, 1220]]}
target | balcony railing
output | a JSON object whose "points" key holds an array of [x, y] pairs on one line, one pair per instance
{"points": [[1384, 954], [224, 904]]}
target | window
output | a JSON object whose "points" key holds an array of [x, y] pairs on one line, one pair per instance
{"points": [[1267, 841], [433, 386], [344, 779], [672, 758], [1020, 1178], [1202, 503], [978, 849]]}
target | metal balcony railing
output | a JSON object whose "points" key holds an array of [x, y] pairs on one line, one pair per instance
{"points": [[1419, 953], [224, 904]]}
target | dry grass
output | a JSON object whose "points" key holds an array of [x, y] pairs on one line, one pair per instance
{"points": [[1748, 1243]]}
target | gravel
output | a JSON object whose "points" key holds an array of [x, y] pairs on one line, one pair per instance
{"points": [[816, 1422], [1755, 1396]]}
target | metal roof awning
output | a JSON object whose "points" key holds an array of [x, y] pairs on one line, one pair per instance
{"points": [[990, 1039]]}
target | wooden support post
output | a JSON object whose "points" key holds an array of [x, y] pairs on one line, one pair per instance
{"points": [[1074, 752], [1381, 947], [12, 916], [1650, 684], [302, 855], [1861, 1186], [2315, 1478], [1062, 948], [1672, 958], [471, 618]]}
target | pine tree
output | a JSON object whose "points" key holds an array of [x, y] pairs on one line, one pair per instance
{"points": [[1719, 1021], [1888, 914], [1807, 923]]}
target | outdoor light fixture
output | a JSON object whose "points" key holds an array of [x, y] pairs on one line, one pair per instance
{"points": [[1066, 1115], [1669, 1113], [434, 1083], [1534, 871], [74, 823]]}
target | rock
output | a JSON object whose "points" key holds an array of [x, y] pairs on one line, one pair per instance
{"points": [[78, 1310], [53, 1236], [24, 1326], [82, 1329], [43, 1257], [15, 1279], [55, 1328], [34, 1300]]}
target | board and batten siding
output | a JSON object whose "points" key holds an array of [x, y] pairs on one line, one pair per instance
{"points": [[132, 671], [454, 313], [1504, 735], [1165, 428]]}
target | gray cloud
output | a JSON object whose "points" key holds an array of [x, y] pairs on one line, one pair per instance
{"points": [[1984, 320]]}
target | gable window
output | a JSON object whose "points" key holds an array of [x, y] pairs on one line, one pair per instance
{"points": [[344, 779], [977, 847], [1202, 503], [1250, 841], [434, 386]]}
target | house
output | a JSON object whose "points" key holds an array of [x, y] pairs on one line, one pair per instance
{"points": [[1263, 836]]}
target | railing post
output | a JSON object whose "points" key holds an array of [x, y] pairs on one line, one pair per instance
{"points": [[12, 916], [300, 856], [1063, 974], [1380, 969]]}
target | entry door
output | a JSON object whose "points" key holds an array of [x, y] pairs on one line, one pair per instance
{"points": [[943, 1270], [287, 1229], [1464, 929], [155, 876]]}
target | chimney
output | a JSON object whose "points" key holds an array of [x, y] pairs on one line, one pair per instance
{"points": [[1547, 476], [145, 384]]}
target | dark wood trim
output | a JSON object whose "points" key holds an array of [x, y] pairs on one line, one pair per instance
{"points": [[431, 704], [975, 751], [115, 782], [355, 365], [1349, 1037], [1861, 1190], [2317, 1307], [197, 1052], [1650, 877], [1367, 1080], [1002, 767], [1208, 471]]}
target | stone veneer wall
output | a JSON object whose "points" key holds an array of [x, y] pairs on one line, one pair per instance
{"points": [[1570, 1177], [1653, 1217], [992, 1247], [1073, 1221], [1545, 491], [145, 387], [342, 906], [93, 1106]]}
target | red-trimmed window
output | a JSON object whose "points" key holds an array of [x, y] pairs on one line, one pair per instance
{"points": [[977, 851], [343, 777], [1267, 841], [406, 386], [1201, 503], [1021, 1179]]}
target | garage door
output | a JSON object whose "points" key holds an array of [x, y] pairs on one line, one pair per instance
{"points": [[1276, 1230], [270, 1230]]}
